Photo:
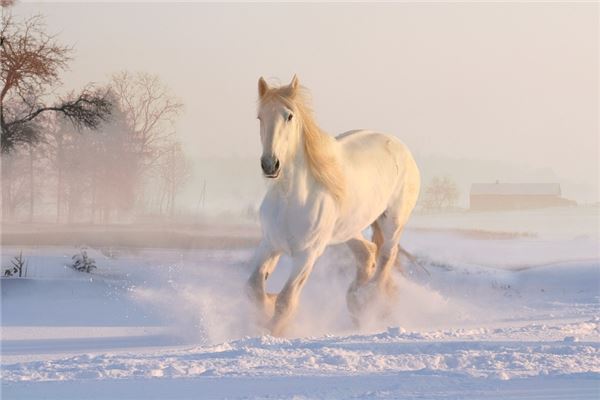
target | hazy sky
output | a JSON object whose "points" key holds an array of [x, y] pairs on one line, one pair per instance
{"points": [[467, 86]]}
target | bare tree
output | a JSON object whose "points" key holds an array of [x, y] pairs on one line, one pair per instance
{"points": [[151, 111], [6, 3], [174, 172], [113, 168], [441, 193], [14, 182], [31, 62], [22, 183], [94, 172]]}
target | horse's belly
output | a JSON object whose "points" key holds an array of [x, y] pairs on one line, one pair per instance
{"points": [[362, 208], [355, 219]]}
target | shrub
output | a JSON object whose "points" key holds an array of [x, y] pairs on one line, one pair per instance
{"points": [[82, 262], [18, 267]]}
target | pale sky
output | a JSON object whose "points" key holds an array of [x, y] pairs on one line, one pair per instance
{"points": [[480, 91]]}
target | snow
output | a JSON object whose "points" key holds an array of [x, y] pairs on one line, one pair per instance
{"points": [[499, 316]]}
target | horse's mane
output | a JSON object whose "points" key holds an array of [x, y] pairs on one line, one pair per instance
{"points": [[319, 148]]}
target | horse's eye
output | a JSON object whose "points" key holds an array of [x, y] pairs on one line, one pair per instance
{"points": [[290, 116]]}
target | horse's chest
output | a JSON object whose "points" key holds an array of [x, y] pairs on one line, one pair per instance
{"points": [[292, 225]]}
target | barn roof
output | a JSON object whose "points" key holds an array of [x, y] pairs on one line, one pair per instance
{"points": [[515, 189]]}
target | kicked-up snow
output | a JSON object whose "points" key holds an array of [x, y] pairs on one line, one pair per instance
{"points": [[490, 319]]}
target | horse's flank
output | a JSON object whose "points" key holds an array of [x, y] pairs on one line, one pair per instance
{"points": [[319, 147]]}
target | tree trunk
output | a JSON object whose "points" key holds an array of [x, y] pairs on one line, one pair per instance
{"points": [[31, 186], [6, 188], [93, 203], [172, 199], [59, 182]]}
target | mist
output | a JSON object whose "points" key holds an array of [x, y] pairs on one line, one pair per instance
{"points": [[482, 93]]}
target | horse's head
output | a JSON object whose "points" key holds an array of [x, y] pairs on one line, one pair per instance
{"points": [[279, 125]]}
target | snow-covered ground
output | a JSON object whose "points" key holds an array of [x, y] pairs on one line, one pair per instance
{"points": [[498, 316]]}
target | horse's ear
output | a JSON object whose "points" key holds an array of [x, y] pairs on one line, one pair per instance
{"points": [[295, 83], [262, 87]]}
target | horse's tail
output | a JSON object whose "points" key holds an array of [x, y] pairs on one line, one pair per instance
{"points": [[411, 258]]}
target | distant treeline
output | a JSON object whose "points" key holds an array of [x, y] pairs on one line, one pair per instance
{"points": [[92, 156]]}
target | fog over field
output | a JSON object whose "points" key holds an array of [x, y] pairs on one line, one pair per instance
{"points": [[479, 92]]}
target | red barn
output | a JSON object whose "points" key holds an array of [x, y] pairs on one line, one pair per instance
{"points": [[514, 196]]}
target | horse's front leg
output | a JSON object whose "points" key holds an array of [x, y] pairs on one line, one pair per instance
{"points": [[264, 261], [287, 300]]}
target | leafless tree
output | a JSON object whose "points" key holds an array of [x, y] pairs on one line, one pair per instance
{"points": [[15, 183], [113, 169], [93, 171], [22, 177], [32, 61], [151, 111], [175, 170], [441, 193], [6, 3]]}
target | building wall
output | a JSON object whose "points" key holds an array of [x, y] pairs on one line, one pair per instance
{"points": [[514, 202]]}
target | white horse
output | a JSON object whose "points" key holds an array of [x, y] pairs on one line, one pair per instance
{"points": [[326, 191]]}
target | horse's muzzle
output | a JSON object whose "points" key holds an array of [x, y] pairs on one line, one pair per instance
{"points": [[270, 166]]}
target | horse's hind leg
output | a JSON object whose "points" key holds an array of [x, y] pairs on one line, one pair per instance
{"points": [[365, 253], [377, 237], [387, 257], [392, 224]]}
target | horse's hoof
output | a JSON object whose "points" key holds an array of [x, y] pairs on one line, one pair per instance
{"points": [[389, 288], [358, 299], [372, 301], [277, 329], [264, 310], [268, 309]]}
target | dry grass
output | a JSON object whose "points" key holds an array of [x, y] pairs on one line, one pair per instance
{"points": [[479, 234], [132, 236]]}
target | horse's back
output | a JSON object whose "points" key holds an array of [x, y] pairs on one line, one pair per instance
{"points": [[363, 143], [367, 138], [341, 136]]}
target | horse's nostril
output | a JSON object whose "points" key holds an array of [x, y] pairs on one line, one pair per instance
{"points": [[270, 165]]}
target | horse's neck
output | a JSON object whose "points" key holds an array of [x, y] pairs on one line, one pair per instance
{"points": [[297, 180], [298, 176]]}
